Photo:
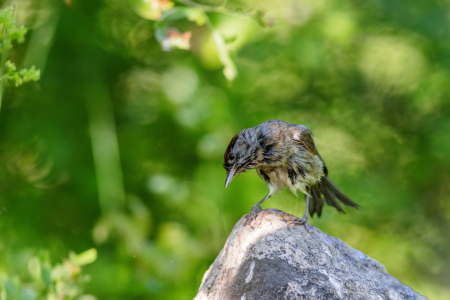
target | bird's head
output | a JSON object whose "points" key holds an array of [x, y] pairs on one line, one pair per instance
{"points": [[240, 154]]}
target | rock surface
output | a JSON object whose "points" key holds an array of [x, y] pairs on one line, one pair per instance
{"points": [[276, 260]]}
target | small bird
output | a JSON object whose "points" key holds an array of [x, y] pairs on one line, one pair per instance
{"points": [[284, 154]]}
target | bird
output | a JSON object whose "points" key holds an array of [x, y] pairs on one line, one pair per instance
{"points": [[284, 154]]}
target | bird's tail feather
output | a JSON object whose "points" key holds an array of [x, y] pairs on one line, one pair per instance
{"points": [[332, 196]]}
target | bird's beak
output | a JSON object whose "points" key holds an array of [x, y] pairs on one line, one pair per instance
{"points": [[230, 176]]}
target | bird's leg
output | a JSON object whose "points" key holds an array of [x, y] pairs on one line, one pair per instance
{"points": [[304, 219], [256, 209]]}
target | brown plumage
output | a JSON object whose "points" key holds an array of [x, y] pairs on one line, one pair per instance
{"points": [[284, 154]]}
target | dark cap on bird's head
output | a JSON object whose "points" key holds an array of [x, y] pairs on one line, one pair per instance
{"points": [[229, 156], [239, 156], [229, 161]]}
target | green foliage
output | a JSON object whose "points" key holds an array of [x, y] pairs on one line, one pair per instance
{"points": [[11, 32], [21, 76], [44, 281], [120, 146], [168, 17]]}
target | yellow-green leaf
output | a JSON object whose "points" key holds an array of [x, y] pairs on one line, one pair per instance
{"points": [[84, 258]]}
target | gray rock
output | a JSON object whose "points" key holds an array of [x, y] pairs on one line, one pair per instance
{"points": [[272, 259]]}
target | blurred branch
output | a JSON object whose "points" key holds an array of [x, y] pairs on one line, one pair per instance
{"points": [[105, 146], [222, 9], [229, 69], [205, 7], [218, 9], [42, 36], [167, 16]]}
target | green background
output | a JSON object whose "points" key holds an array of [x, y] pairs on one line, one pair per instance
{"points": [[119, 145]]}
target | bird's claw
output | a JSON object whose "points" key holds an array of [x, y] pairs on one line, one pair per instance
{"points": [[303, 221], [253, 214]]}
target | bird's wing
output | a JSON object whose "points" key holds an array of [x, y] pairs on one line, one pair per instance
{"points": [[303, 136], [332, 195]]}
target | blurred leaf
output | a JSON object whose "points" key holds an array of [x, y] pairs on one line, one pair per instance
{"points": [[17, 34], [84, 258], [44, 257], [87, 297], [229, 69], [196, 15], [10, 66], [62, 281], [34, 267], [230, 39], [263, 19], [171, 38], [46, 276], [193, 14], [393, 64], [28, 294], [7, 17], [10, 32], [152, 9], [12, 286], [22, 76]]}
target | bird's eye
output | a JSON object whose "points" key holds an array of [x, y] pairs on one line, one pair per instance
{"points": [[231, 156]]}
